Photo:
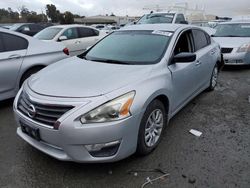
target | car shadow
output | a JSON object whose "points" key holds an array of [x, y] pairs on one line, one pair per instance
{"points": [[6, 103], [236, 68]]}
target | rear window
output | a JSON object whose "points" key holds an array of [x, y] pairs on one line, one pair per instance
{"points": [[48, 33], [233, 30], [13, 42]]}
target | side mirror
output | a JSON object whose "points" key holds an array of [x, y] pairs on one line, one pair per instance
{"points": [[184, 57], [62, 38]]}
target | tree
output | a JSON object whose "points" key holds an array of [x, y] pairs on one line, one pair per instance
{"points": [[66, 18], [24, 12], [52, 12]]}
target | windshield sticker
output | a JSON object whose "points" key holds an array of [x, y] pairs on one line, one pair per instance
{"points": [[245, 26], [165, 33]]}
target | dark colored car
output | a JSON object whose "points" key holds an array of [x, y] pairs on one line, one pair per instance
{"points": [[29, 28]]}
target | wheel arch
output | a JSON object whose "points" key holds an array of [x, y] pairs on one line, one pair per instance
{"points": [[30, 69]]}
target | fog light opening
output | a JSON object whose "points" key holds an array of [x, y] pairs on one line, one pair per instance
{"points": [[103, 150]]}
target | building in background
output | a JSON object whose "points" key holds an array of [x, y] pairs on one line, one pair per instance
{"points": [[113, 20]]}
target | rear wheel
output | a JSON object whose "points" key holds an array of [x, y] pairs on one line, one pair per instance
{"points": [[214, 78], [151, 127]]}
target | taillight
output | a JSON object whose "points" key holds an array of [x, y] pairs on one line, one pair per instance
{"points": [[66, 51]]}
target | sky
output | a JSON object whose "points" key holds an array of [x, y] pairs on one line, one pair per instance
{"points": [[129, 7]]}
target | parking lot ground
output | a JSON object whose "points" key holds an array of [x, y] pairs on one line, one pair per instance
{"points": [[219, 158]]}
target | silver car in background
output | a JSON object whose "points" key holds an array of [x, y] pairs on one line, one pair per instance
{"points": [[116, 98], [234, 39], [22, 56]]}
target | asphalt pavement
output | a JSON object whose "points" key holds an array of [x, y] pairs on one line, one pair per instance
{"points": [[220, 157]]}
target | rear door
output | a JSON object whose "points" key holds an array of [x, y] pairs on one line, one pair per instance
{"points": [[88, 36], [204, 53], [12, 51]]}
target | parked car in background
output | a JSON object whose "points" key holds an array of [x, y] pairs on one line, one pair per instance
{"points": [[118, 96], [6, 26], [76, 38], [28, 28], [22, 56], [234, 39], [162, 17]]}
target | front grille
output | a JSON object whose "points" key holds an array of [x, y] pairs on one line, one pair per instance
{"points": [[226, 50], [41, 113]]}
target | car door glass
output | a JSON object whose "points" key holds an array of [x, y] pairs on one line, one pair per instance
{"points": [[70, 33], [183, 44], [13, 43], [87, 32], [200, 39], [25, 28], [1, 43]]}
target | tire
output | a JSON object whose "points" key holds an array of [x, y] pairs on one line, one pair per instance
{"points": [[214, 78], [28, 73], [147, 137]]}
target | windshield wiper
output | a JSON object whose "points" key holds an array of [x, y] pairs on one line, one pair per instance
{"points": [[111, 61]]}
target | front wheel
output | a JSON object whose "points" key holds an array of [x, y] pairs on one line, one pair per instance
{"points": [[214, 78], [151, 127]]}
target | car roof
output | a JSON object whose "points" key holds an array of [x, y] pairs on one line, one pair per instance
{"points": [[165, 27], [236, 22], [70, 26]]}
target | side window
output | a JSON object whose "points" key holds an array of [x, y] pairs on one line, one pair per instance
{"points": [[13, 42], [200, 39], [35, 27], [184, 43], [180, 18], [24, 28], [1, 43], [87, 32], [71, 33]]}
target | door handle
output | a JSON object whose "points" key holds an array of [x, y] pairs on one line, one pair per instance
{"points": [[14, 56], [212, 52], [198, 63], [78, 42]]}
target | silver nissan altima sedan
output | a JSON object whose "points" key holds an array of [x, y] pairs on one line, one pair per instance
{"points": [[117, 97]]}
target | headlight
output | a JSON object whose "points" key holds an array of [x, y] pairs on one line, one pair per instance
{"points": [[116, 109], [244, 48]]}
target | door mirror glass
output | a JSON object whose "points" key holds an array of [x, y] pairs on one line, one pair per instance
{"points": [[62, 38], [185, 57]]}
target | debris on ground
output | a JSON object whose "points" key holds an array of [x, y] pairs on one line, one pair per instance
{"points": [[160, 170], [195, 132], [232, 131], [191, 180], [110, 172], [150, 181]]}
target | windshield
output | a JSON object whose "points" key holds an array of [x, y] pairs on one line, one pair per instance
{"points": [[233, 30], [130, 47], [15, 27], [156, 18], [48, 33]]}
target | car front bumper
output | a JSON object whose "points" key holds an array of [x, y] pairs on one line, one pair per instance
{"points": [[237, 58], [68, 143]]}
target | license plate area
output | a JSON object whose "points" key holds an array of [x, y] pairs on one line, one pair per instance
{"points": [[30, 131]]}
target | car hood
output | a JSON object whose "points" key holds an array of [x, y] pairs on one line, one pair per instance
{"points": [[231, 42], [75, 77]]}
